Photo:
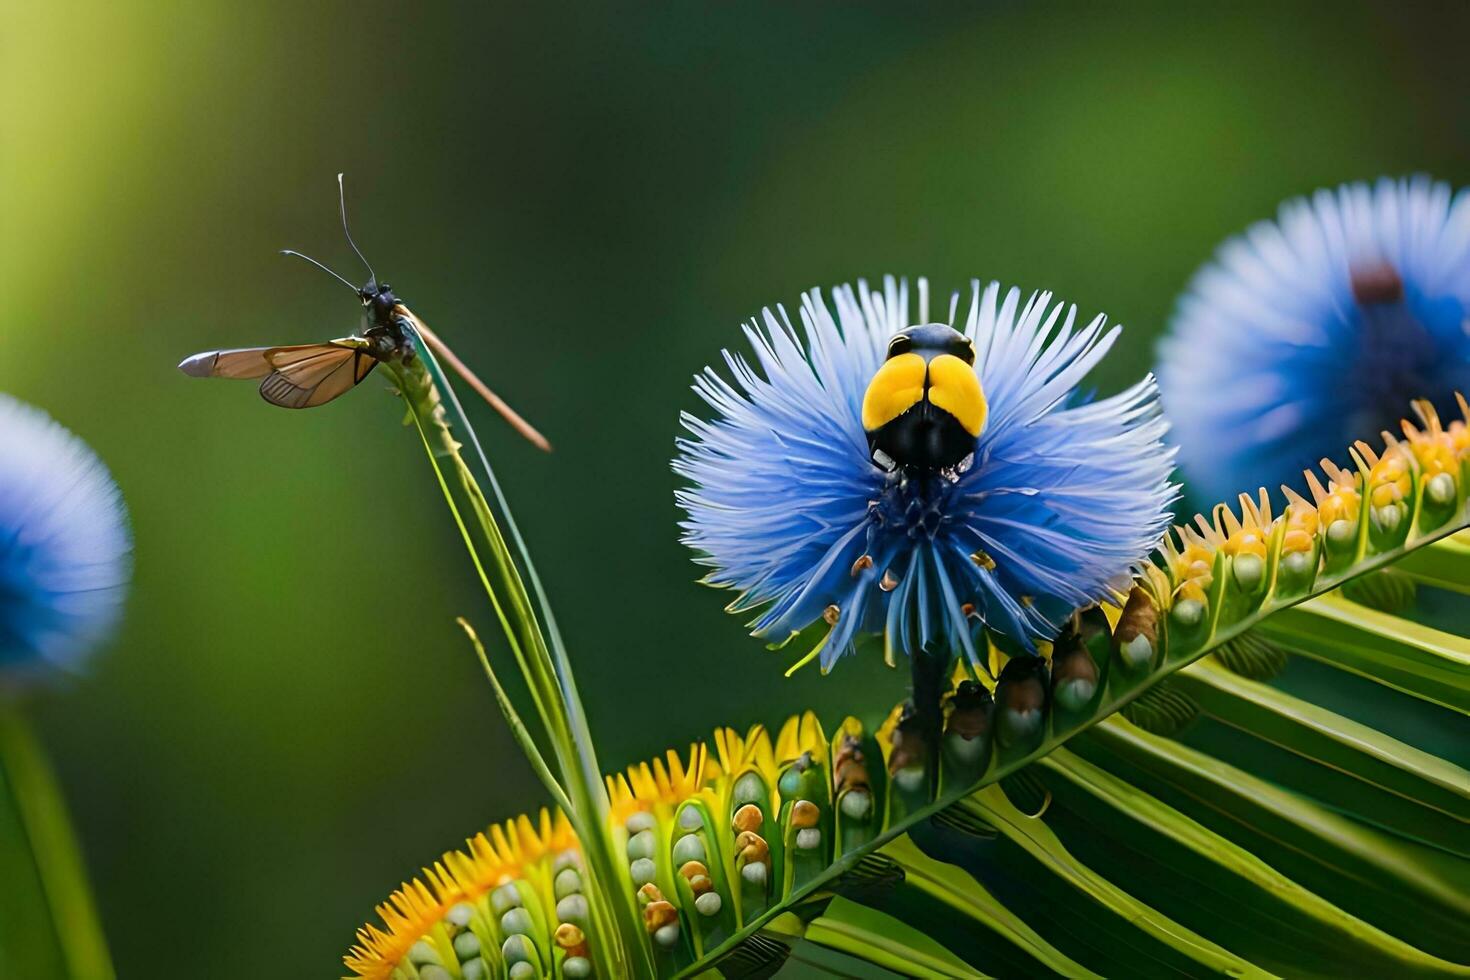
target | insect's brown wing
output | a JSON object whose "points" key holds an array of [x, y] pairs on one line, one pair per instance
{"points": [[241, 363], [305, 377]]}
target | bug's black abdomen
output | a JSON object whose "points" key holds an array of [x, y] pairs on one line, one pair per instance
{"points": [[924, 438]]}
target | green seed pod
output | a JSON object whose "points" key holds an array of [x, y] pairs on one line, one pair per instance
{"points": [[688, 848], [517, 949], [1299, 564], [1136, 639], [423, 953], [573, 908], [1439, 490], [967, 733], [856, 804], [643, 871], [754, 872], [1188, 613], [466, 946], [1021, 700], [749, 788], [568, 882], [516, 920], [1341, 536], [504, 898], [1074, 674], [1249, 572], [642, 845]]}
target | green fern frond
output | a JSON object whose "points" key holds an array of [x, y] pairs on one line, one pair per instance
{"points": [[760, 843], [1387, 589], [1162, 710], [1252, 655]]}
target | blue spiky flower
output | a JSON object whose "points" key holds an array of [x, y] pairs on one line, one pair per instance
{"points": [[1307, 333], [64, 547], [791, 507]]}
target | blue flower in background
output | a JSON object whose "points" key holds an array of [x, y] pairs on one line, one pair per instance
{"points": [[1308, 333], [1062, 498], [64, 547]]}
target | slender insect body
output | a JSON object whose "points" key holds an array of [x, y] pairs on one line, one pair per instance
{"points": [[383, 317], [308, 375]]}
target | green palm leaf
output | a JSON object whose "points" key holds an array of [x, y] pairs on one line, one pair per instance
{"points": [[1152, 856], [1275, 833]]}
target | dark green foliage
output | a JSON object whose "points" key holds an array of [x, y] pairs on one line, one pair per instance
{"points": [[1387, 590], [1162, 710], [756, 958], [1252, 655]]}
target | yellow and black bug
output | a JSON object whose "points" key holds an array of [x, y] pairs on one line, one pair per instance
{"points": [[924, 408]]}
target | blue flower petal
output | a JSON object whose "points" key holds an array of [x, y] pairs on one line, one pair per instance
{"points": [[64, 547], [1283, 350], [786, 506]]}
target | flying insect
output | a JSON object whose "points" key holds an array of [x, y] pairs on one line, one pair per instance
{"points": [[924, 408], [308, 375]]}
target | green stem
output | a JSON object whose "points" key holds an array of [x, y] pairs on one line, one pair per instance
{"points": [[517, 727], [35, 827], [545, 667], [927, 669]]}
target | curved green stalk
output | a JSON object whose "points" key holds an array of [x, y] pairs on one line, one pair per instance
{"points": [[517, 727], [618, 940], [552, 643], [48, 924], [1416, 659], [1444, 564]]}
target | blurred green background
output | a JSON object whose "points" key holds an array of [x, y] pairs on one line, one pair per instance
{"points": [[587, 201]]}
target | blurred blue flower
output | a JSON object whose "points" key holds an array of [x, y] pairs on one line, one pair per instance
{"points": [[64, 547], [1308, 333], [788, 507]]}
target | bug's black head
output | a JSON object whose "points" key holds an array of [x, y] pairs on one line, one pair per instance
{"points": [[378, 302], [931, 339]]}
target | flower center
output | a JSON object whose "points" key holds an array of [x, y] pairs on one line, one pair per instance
{"points": [[913, 504], [1402, 355]]}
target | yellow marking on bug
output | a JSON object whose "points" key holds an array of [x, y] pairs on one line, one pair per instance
{"points": [[954, 387], [897, 387]]}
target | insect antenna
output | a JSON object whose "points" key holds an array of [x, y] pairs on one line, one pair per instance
{"points": [[342, 202], [526, 429], [292, 251]]}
